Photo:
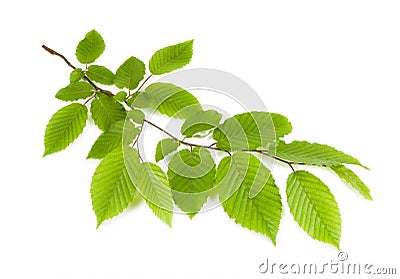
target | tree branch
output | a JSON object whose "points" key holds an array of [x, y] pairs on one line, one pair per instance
{"points": [[53, 52], [266, 153], [183, 141], [263, 152], [191, 145]]}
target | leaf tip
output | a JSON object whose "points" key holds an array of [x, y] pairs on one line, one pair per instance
{"points": [[365, 167], [47, 152], [99, 222], [191, 215]]}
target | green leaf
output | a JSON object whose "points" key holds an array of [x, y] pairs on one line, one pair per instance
{"points": [[112, 139], [76, 75], [168, 99], [75, 91], [105, 111], [137, 116], [314, 207], [120, 96], [64, 127], [171, 58], [236, 177], [130, 73], [100, 74], [153, 186], [351, 178], [313, 154], [90, 48], [251, 130], [112, 189], [165, 147], [200, 122], [191, 177]]}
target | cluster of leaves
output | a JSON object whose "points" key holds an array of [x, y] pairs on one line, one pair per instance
{"points": [[243, 183]]}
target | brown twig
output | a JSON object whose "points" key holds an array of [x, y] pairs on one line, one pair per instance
{"points": [[98, 89], [266, 153], [183, 141]]}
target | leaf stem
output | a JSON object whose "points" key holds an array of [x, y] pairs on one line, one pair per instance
{"points": [[143, 83], [53, 52], [89, 99], [140, 87]]}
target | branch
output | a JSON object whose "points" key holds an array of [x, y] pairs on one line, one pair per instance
{"points": [[183, 141], [191, 145], [263, 152], [266, 153], [143, 83], [53, 52]]}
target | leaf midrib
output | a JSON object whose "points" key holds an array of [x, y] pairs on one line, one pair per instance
{"points": [[62, 135], [317, 213]]}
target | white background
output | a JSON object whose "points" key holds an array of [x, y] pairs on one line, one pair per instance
{"points": [[332, 67]]}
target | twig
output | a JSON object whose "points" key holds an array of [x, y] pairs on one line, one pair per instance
{"points": [[183, 141], [143, 83], [98, 89]]}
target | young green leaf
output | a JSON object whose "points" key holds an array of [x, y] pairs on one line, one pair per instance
{"points": [[251, 130], [137, 116], [236, 176], [314, 207], [153, 186], [191, 176], [90, 48], [112, 139], [165, 147], [313, 154], [351, 178], [120, 96], [64, 127], [76, 75], [130, 73], [200, 122], [75, 91], [100, 74], [168, 99], [171, 58], [105, 111], [112, 188]]}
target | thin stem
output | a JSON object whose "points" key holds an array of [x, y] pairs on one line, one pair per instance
{"points": [[130, 94], [266, 153], [137, 138], [290, 164], [143, 83], [183, 141], [213, 144], [162, 130], [53, 52], [89, 99]]}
